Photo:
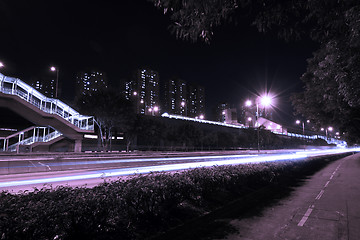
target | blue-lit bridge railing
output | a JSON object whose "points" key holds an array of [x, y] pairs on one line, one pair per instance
{"points": [[15, 86], [337, 142]]}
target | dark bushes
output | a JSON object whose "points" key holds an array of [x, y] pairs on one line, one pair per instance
{"points": [[140, 207]]}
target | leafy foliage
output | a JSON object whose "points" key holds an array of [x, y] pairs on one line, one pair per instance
{"points": [[193, 20], [139, 207], [331, 93]]}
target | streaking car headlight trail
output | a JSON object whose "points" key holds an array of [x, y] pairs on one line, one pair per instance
{"points": [[221, 160]]}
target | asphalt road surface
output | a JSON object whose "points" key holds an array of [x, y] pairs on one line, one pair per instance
{"points": [[80, 171]]}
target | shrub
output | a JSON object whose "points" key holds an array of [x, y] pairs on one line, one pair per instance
{"points": [[140, 206]]}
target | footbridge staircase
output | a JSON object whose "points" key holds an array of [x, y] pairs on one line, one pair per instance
{"points": [[52, 117]]}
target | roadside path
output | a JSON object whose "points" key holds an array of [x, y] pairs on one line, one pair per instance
{"points": [[326, 206]]}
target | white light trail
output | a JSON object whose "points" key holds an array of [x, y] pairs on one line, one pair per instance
{"points": [[230, 160]]}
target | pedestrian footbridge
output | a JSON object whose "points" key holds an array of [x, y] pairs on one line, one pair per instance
{"points": [[53, 119]]}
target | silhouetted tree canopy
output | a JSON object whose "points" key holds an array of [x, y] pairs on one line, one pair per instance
{"points": [[110, 110], [331, 82]]}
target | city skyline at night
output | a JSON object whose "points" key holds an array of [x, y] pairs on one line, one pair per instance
{"points": [[117, 39]]}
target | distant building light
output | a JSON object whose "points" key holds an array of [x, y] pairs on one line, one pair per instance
{"points": [[90, 136]]}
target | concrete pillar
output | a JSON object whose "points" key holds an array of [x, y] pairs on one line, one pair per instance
{"points": [[77, 146]]}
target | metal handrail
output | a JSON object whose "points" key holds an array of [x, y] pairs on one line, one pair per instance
{"points": [[34, 139], [15, 86]]}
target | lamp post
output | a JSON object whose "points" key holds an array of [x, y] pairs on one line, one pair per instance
{"points": [[303, 128], [249, 120], [326, 130], [155, 110], [303, 125], [330, 129], [183, 104], [53, 69], [265, 101]]}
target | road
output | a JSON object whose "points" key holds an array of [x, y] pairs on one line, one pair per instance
{"points": [[82, 170], [326, 206]]}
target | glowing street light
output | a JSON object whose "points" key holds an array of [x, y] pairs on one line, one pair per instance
{"points": [[303, 124], [265, 101], [303, 128], [330, 129], [183, 105], [1, 65], [248, 103], [201, 116], [53, 69], [153, 110]]}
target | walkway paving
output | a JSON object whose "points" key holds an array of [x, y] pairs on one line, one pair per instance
{"points": [[326, 207]]}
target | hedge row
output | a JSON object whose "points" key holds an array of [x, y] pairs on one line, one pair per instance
{"points": [[139, 207]]}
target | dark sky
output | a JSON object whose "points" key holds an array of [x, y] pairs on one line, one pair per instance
{"points": [[119, 36]]}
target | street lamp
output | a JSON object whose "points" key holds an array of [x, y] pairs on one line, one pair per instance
{"points": [[303, 125], [1, 65], [249, 120], [53, 69], [303, 128], [153, 110], [265, 101], [330, 129], [183, 104]]}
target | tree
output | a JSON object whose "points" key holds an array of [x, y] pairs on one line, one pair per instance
{"points": [[195, 19], [111, 112], [331, 91]]}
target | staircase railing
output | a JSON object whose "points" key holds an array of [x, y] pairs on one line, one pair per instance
{"points": [[29, 136], [15, 86]]}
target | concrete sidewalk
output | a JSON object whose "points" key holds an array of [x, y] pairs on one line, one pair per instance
{"points": [[326, 206]]}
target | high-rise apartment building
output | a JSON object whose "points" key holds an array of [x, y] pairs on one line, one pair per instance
{"points": [[196, 101], [92, 81], [176, 96], [226, 114], [220, 112], [144, 91], [45, 85]]}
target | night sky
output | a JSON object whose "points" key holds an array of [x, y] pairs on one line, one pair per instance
{"points": [[119, 36]]}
